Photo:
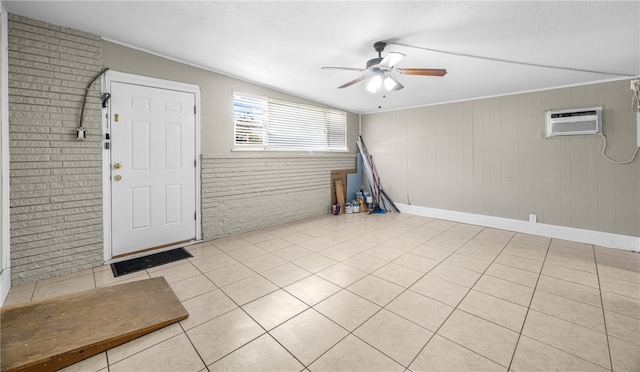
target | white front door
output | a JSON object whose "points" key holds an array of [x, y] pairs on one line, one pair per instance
{"points": [[153, 174]]}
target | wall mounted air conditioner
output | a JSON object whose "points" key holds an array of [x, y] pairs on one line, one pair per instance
{"points": [[574, 122]]}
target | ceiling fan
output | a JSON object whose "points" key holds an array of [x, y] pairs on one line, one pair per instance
{"points": [[381, 70]]}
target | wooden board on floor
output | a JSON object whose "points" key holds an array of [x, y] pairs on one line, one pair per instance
{"points": [[342, 176], [340, 195], [50, 334]]}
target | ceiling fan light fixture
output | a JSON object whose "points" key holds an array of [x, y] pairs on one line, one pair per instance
{"points": [[375, 83], [389, 83]]}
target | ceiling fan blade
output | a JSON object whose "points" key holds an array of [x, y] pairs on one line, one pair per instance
{"points": [[352, 82], [398, 86], [342, 68], [423, 71], [391, 59]]}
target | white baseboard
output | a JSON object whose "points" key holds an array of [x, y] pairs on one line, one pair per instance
{"points": [[626, 242], [5, 284]]}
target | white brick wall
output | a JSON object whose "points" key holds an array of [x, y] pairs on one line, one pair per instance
{"points": [[244, 193], [56, 194]]}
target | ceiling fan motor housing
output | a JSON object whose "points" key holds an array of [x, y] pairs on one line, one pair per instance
{"points": [[373, 62]]}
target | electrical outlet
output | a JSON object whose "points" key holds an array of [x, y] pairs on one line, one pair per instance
{"points": [[533, 218], [635, 85]]}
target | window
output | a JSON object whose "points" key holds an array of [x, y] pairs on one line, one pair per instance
{"points": [[272, 124]]}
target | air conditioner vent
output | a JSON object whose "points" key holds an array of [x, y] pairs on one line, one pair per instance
{"points": [[574, 122]]}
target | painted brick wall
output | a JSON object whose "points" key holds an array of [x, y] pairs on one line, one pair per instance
{"points": [[250, 192], [56, 193]]}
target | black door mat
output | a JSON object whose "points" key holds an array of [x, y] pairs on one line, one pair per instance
{"points": [[147, 262]]}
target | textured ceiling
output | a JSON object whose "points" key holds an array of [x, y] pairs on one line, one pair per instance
{"points": [[283, 45]]}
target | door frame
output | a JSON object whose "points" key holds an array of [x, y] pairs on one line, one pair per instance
{"points": [[121, 77]]}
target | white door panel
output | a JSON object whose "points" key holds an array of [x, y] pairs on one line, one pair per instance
{"points": [[152, 167]]}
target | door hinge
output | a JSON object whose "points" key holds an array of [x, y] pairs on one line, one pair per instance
{"points": [[195, 162], [194, 109], [195, 215]]}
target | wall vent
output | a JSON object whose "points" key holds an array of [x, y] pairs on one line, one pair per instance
{"points": [[574, 122]]}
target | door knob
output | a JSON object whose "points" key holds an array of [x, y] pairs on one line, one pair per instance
{"points": [[117, 177], [117, 165]]}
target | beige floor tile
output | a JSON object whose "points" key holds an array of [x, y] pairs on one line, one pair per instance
{"points": [[623, 260], [416, 262], [265, 262], [262, 354], [203, 250], [297, 237], [539, 243], [247, 290], [625, 356], [341, 274], [431, 252], [280, 231], [65, 277], [400, 275], [376, 290], [440, 289], [621, 253], [496, 235], [504, 289], [617, 286], [105, 277], [247, 253], [494, 309], [417, 220], [308, 335], [519, 262], [347, 309], [578, 263], [312, 289], [401, 243], [623, 327], [496, 343], [92, 364], [531, 254], [528, 278], [77, 284], [353, 354], [446, 243], [440, 225], [455, 274], [532, 355], [20, 294], [478, 252], [342, 251], [230, 243], [222, 335], [442, 355], [569, 310], [255, 237], [571, 244], [571, 275], [139, 344], [314, 262], [365, 262], [211, 263], [572, 338], [463, 228], [272, 245], [206, 307], [487, 245], [316, 232], [285, 274], [175, 354], [177, 273], [292, 252], [619, 273], [387, 254], [621, 304], [578, 292], [318, 244], [585, 254], [192, 287], [421, 310], [274, 309], [467, 262], [229, 274], [395, 336]]}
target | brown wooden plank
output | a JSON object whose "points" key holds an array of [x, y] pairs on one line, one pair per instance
{"points": [[342, 176], [50, 334], [340, 195]]}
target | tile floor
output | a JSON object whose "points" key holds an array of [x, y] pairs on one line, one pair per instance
{"points": [[388, 292]]}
